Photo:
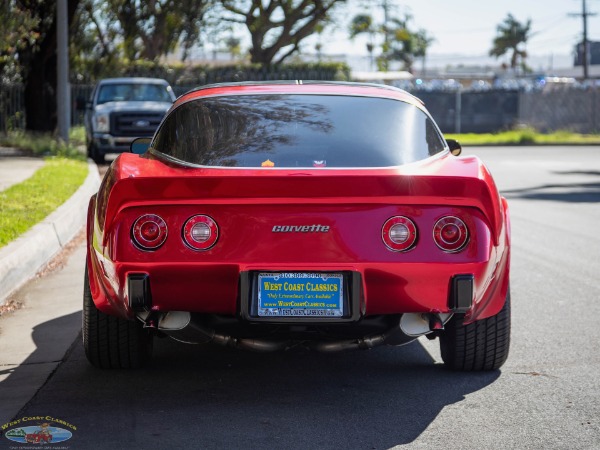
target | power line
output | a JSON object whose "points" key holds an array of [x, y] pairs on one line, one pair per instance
{"points": [[546, 42], [554, 24]]}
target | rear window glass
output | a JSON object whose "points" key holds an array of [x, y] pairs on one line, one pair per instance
{"points": [[298, 131]]}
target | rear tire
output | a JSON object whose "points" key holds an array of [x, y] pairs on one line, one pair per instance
{"points": [[479, 346], [111, 342]]}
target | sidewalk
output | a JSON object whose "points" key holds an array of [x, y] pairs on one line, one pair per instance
{"points": [[35, 339], [21, 259], [15, 169]]}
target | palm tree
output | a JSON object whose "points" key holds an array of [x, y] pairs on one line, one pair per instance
{"points": [[363, 23], [406, 45], [399, 42], [511, 34], [422, 42]]}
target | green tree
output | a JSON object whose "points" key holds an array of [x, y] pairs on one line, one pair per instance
{"points": [[16, 34], [363, 24], [153, 28], [95, 52], [35, 53], [422, 41], [319, 29], [114, 33], [399, 42], [277, 27], [406, 45], [512, 36], [233, 47], [400, 46]]}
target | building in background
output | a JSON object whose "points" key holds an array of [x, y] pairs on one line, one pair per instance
{"points": [[594, 53]]}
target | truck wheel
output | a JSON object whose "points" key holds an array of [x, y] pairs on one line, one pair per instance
{"points": [[478, 346], [111, 342], [93, 153]]}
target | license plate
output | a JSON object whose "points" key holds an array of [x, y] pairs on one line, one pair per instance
{"points": [[300, 295]]}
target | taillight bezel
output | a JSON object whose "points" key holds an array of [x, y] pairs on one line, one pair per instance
{"points": [[409, 243], [457, 245], [138, 238], [193, 243]]}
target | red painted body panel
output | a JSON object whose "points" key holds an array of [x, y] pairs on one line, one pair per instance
{"points": [[247, 203]]}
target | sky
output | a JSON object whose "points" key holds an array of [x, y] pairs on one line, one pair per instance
{"points": [[464, 29]]}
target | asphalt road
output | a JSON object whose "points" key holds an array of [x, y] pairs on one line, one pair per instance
{"points": [[546, 396]]}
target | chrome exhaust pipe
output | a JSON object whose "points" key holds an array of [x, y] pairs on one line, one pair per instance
{"points": [[419, 324]]}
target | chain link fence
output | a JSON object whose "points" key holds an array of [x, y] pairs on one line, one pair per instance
{"points": [[463, 111], [565, 109]]}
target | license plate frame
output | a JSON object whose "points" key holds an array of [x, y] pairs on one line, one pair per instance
{"points": [[300, 296]]}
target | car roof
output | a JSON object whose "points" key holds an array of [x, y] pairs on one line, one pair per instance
{"points": [[140, 80], [300, 87]]}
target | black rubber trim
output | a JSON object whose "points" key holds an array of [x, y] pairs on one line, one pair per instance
{"points": [[461, 293], [138, 288]]}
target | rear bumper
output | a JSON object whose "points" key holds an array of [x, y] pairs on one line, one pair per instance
{"points": [[460, 298], [477, 289]]}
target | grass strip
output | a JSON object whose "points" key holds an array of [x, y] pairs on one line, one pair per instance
{"points": [[26, 204], [526, 136]]}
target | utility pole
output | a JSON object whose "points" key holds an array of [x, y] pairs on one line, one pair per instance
{"points": [[586, 46], [63, 94]]}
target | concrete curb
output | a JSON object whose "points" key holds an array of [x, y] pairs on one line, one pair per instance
{"points": [[25, 256]]}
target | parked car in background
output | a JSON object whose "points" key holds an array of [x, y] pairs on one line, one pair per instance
{"points": [[265, 216], [122, 109]]}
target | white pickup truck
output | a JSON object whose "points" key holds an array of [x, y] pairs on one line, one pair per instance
{"points": [[122, 109]]}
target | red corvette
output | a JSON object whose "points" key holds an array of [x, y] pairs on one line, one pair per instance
{"points": [[265, 216]]}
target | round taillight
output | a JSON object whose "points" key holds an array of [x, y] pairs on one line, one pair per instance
{"points": [[399, 233], [149, 232], [450, 234], [200, 232]]}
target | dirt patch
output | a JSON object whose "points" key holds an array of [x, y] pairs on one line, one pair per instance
{"points": [[10, 306]]}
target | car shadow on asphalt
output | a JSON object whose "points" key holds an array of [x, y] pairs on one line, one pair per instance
{"points": [[51, 340], [571, 193], [214, 397], [588, 192]]}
